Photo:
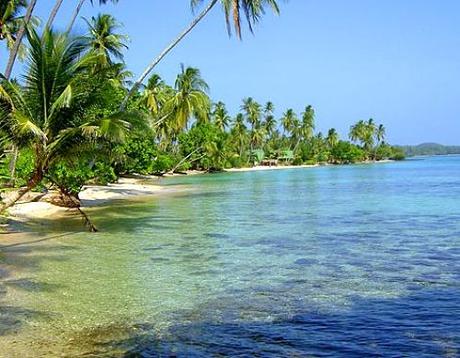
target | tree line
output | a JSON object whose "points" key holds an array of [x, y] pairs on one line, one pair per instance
{"points": [[74, 116]]}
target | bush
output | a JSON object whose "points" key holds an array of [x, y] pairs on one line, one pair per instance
{"points": [[346, 153]]}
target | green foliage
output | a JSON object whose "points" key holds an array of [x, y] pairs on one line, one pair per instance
{"points": [[346, 153], [429, 149], [72, 176], [205, 146], [138, 155]]}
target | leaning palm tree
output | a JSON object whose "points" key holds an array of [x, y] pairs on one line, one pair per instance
{"points": [[252, 10], [17, 49], [51, 113], [18, 41], [53, 13], [103, 40]]}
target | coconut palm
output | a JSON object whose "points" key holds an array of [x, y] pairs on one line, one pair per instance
{"points": [[363, 132], [252, 111], [77, 11], [332, 138], [220, 116], [288, 121], [155, 94], [189, 101], [380, 133], [11, 20], [49, 114], [308, 123], [53, 13], [269, 118], [252, 10], [239, 132], [357, 131], [103, 40], [15, 49]]}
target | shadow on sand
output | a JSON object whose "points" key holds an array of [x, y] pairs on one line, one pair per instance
{"points": [[23, 255]]}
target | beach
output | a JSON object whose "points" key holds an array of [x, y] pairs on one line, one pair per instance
{"points": [[90, 196]]}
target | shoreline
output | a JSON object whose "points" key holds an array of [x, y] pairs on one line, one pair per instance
{"points": [[90, 196], [273, 167], [127, 188], [281, 167]]}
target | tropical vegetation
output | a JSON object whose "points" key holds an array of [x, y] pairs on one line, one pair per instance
{"points": [[74, 117]]}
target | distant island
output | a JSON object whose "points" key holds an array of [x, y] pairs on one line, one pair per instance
{"points": [[429, 149]]}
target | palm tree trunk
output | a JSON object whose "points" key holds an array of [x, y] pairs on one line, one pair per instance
{"points": [[12, 166], [173, 44], [53, 13], [31, 184], [74, 16], [184, 160], [9, 70], [19, 37]]}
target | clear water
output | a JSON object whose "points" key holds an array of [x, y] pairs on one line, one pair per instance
{"points": [[346, 261]]}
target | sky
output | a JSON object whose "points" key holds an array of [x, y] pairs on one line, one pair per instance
{"points": [[395, 61]]}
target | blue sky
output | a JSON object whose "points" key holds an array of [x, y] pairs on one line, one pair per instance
{"points": [[395, 61]]}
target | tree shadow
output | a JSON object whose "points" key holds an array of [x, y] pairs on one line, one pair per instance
{"points": [[24, 255], [421, 324]]}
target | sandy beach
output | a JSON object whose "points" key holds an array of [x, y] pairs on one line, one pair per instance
{"points": [[91, 195]]}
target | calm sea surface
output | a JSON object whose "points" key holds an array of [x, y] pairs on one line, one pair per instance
{"points": [[349, 261]]}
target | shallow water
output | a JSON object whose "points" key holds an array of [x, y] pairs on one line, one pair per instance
{"points": [[333, 261]]}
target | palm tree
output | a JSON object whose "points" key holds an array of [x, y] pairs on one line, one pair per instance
{"points": [[103, 40], [332, 138], [239, 132], [363, 132], [53, 13], [308, 123], [288, 120], [20, 34], [49, 114], [235, 9], [270, 124], [189, 100], [380, 133], [357, 131], [155, 94], [220, 116], [11, 9], [253, 113], [77, 11], [269, 120], [10, 20]]}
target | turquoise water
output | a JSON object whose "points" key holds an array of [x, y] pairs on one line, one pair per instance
{"points": [[347, 261]]}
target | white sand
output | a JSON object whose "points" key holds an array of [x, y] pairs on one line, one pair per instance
{"points": [[92, 195]]}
